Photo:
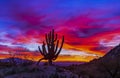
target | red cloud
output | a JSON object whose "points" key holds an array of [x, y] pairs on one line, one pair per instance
{"points": [[83, 32]]}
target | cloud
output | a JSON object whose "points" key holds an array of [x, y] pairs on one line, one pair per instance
{"points": [[92, 29]]}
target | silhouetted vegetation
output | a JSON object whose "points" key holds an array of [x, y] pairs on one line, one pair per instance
{"points": [[50, 49]]}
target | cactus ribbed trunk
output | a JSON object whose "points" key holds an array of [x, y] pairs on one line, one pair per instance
{"points": [[50, 62]]}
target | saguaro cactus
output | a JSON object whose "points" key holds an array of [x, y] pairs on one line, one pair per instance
{"points": [[50, 50]]}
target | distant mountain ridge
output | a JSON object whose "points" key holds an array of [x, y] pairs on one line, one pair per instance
{"points": [[16, 59], [115, 52], [107, 66]]}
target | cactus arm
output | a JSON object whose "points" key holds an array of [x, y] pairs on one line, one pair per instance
{"points": [[52, 49], [39, 61], [46, 37], [40, 50], [47, 41], [44, 49], [56, 48], [52, 35], [61, 45], [59, 49]]}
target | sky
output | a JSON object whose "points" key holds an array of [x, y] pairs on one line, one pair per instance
{"points": [[90, 27]]}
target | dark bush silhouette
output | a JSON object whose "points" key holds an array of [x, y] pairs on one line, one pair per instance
{"points": [[50, 49]]}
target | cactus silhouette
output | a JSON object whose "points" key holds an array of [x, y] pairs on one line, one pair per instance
{"points": [[50, 50]]}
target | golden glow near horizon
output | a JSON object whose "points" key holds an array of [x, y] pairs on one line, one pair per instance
{"points": [[72, 58], [66, 55]]}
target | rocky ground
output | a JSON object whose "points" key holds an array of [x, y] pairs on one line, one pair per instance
{"points": [[33, 71]]}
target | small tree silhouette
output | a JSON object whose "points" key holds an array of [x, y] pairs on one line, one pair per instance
{"points": [[51, 51]]}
